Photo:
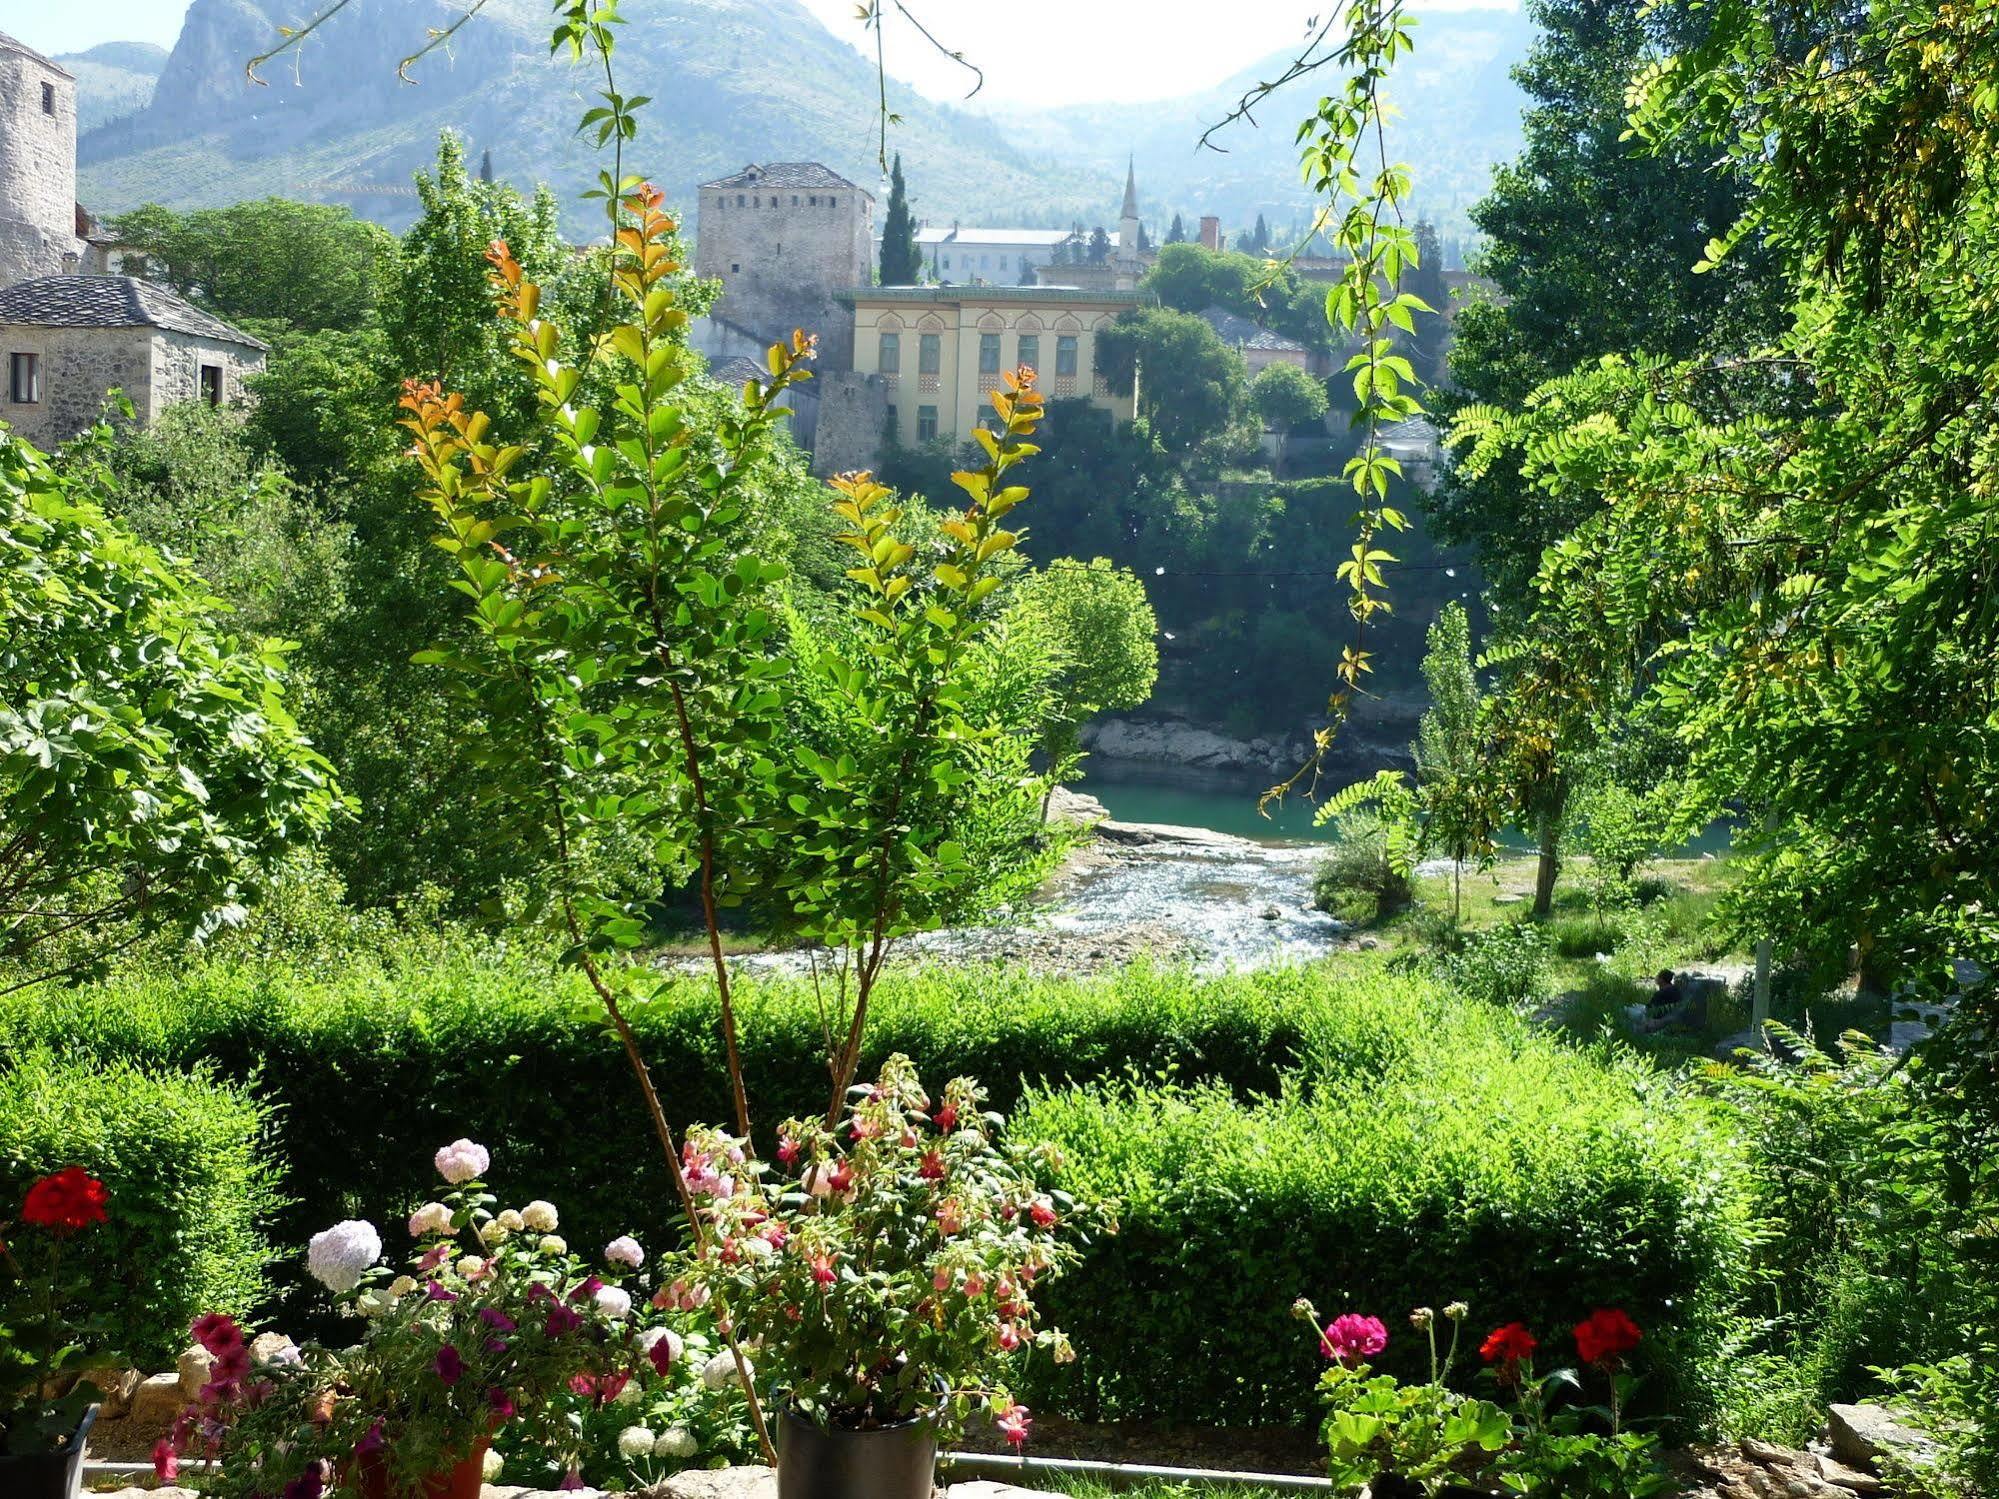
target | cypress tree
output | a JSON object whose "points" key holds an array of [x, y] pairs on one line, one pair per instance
{"points": [[1177, 234], [902, 261]]}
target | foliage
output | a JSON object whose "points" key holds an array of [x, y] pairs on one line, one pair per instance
{"points": [[1453, 794], [150, 769], [1104, 634], [901, 259], [887, 1270], [1428, 1146], [274, 263], [490, 1320], [1501, 965], [191, 1188], [1192, 278], [44, 1345], [1191, 386], [1365, 875], [1285, 398]]}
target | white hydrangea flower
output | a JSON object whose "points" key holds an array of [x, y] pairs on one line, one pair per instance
{"points": [[493, 1233], [338, 1256], [613, 1302], [624, 1250], [539, 1216], [629, 1393], [553, 1244], [461, 1161], [635, 1441], [511, 1220], [402, 1285], [490, 1466], [470, 1266], [431, 1218], [720, 1371], [675, 1441]]}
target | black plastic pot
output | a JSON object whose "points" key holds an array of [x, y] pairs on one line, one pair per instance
{"points": [[893, 1462], [48, 1475]]}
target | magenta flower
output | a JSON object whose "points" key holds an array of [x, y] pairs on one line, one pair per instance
{"points": [[493, 1317], [436, 1292], [1350, 1338], [372, 1440], [500, 1403], [449, 1364], [216, 1332], [563, 1319]]}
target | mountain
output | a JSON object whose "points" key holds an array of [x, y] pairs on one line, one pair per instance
{"points": [[113, 80], [1458, 114], [731, 81]]}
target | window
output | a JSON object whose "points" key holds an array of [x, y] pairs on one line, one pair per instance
{"points": [[757, 201], [929, 353], [1030, 350], [48, 98], [832, 202], [890, 362], [211, 384], [739, 200], [890, 430], [1065, 354], [735, 267], [794, 200], [810, 202], [947, 262], [989, 353], [926, 424], [24, 379]]}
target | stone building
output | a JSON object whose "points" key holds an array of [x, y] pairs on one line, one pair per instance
{"points": [[1052, 257], [784, 239], [38, 212], [68, 341], [1260, 347], [938, 351]]}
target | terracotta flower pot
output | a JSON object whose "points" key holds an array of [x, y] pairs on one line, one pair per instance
{"points": [[48, 1475], [893, 1462], [460, 1482]]}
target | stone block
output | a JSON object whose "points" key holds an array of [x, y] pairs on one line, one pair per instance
{"points": [[718, 1483], [118, 1385], [157, 1401], [1859, 1434], [1835, 1472], [194, 1366]]}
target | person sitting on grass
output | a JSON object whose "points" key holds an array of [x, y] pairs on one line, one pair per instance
{"points": [[1665, 1007]]}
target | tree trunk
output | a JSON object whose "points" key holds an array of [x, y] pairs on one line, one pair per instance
{"points": [[1549, 867]]}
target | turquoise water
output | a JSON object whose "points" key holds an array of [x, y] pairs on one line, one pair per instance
{"points": [[1235, 812]]}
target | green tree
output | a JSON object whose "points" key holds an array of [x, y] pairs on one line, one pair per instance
{"points": [[1426, 278], [901, 259], [274, 263], [1452, 787], [1105, 639], [1286, 398], [151, 772], [1100, 246], [1176, 233], [1259, 238], [1191, 386]]}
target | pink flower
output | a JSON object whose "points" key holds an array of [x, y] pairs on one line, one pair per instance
{"points": [[841, 1178], [1013, 1424], [950, 1217], [435, 1291], [1009, 1337], [946, 1118], [1042, 1211], [461, 1161], [500, 1403], [822, 1270], [866, 1129], [448, 1364], [216, 1332], [1351, 1338], [372, 1440], [932, 1167], [562, 1320], [787, 1149], [493, 1317], [975, 1284], [166, 1461], [941, 1280]]}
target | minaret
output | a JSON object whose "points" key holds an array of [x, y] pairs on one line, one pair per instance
{"points": [[1127, 230]]}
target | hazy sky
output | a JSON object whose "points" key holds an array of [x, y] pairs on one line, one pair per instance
{"points": [[1081, 50]]}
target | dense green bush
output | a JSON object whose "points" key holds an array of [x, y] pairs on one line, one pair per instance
{"points": [[1430, 1150], [190, 1193], [1501, 965], [1358, 879]]}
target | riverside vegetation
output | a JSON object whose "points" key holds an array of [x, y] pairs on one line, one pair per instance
{"points": [[255, 970]]}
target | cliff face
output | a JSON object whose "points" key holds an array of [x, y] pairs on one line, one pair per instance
{"points": [[731, 81]]}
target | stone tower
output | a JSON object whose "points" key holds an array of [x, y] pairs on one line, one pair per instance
{"points": [[1127, 226], [784, 238], [37, 166]]}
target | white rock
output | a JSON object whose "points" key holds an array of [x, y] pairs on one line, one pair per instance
{"points": [[718, 1483], [157, 1401], [194, 1365]]}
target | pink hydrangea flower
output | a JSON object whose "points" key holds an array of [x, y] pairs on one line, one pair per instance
{"points": [[462, 1161], [624, 1250]]}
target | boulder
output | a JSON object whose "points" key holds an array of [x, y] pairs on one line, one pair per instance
{"points": [[1074, 809], [1833, 1471], [718, 1483], [194, 1365], [273, 1348], [118, 1385], [157, 1401], [1860, 1434]]}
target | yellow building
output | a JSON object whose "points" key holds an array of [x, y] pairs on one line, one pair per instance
{"points": [[939, 350]]}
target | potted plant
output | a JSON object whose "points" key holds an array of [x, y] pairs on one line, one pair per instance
{"points": [[491, 1319], [885, 1270], [45, 1412]]}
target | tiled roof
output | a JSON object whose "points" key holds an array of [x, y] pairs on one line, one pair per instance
{"points": [[784, 174], [1234, 329], [736, 370], [986, 238], [8, 44], [111, 302]]}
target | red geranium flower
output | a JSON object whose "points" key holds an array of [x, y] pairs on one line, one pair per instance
{"points": [[69, 1200], [1508, 1345], [1606, 1334]]}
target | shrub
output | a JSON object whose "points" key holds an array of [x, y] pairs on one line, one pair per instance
{"points": [[1357, 880], [189, 1194], [1431, 1150], [1501, 965]]}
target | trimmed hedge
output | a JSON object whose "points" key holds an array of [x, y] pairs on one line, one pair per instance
{"points": [[181, 1158], [372, 1067], [1430, 1150]]}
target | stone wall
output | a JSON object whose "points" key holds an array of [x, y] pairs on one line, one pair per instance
{"points": [[37, 170], [781, 264], [81, 366], [853, 420]]}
